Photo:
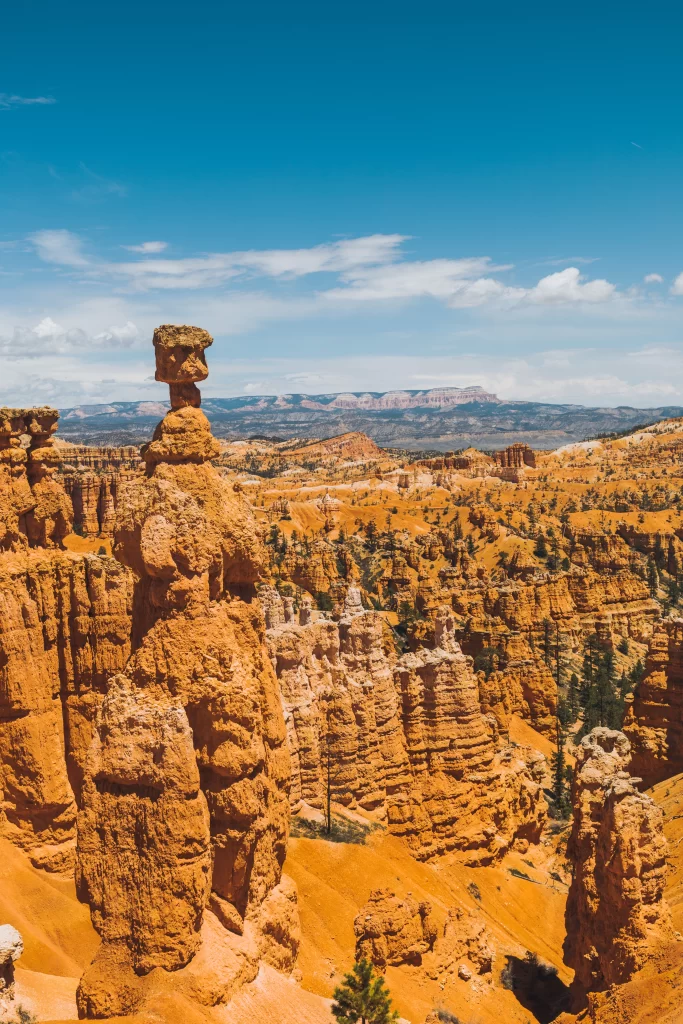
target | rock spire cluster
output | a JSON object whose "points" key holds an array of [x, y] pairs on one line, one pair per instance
{"points": [[407, 736]]}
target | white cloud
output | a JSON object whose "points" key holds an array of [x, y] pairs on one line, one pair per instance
{"points": [[566, 286], [48, 337], [147, 247], [47, 328], [331, 256], [653, 279], [61, 247], [452, 281], [123, 337], [677, 286], [7, 100], [456, 282]]}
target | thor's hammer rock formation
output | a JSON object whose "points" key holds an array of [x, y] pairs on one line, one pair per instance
{"points": [[184, 802]]}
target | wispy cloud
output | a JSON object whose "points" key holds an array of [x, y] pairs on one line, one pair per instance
{"points": [[653, 279], [636, 145], [213, 269], [360, 281], [60, 247], [369, 269], [7, 101], [559, 261], [147, 247], [95, 187]]}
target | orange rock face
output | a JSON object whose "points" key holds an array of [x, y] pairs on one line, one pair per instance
{"points": [[64, 628], [616, 915], [391, 931], [654, 719]]}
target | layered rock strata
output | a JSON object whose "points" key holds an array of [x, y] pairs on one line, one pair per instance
{"points": [[93, 478], [404, 738], [65, 626], [521, 684], [616, 915], [654, 718]]}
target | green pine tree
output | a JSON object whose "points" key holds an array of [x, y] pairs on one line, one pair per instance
{"points": [[363, 997], [547, 642], [573, 697], [561, 801]]}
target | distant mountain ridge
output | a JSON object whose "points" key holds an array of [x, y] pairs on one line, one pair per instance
{"points": [[371, 401], [440, 419]]}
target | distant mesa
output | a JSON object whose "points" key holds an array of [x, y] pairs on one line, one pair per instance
{"points": [[435, 397]]}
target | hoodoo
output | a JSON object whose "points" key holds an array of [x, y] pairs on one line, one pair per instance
{"points": [[184, 810], [616, 912]]}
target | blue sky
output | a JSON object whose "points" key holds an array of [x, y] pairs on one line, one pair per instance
{"points": [[366, 196]]}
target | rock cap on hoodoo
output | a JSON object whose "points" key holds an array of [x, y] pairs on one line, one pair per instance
{"points": [[179, 351]]}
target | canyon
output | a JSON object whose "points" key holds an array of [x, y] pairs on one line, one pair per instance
{"points": [[267, 707]]}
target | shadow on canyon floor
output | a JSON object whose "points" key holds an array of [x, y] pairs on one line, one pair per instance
{"points": [[536, 986]]}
